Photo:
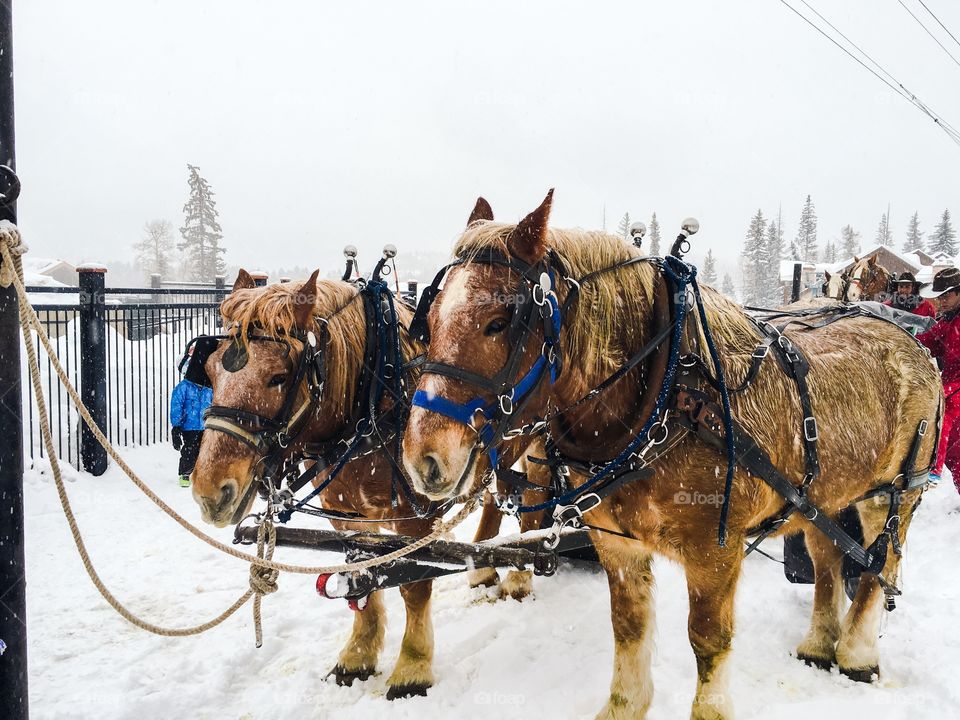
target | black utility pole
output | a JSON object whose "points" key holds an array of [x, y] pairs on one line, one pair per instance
{"points": [[13, 601]]}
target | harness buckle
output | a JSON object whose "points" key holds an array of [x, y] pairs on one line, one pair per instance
{"points": [[761, 352], [922, 430], [569, 516], [508, 504], [539, 295], [810, 431]]}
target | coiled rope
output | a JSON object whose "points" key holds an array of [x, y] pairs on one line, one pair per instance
{"points": [[264, 571]]}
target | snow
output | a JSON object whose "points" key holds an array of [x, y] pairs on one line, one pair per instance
{"points": [[550, 655]]}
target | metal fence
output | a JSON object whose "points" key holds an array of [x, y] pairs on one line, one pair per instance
{"points": [[121, 348]]}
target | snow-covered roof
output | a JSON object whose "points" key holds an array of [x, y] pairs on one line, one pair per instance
{"points": [[786, 269], [910, 259], [41, 265]]}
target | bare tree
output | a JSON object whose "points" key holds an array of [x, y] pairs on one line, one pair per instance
{"points": [[155, 249]]}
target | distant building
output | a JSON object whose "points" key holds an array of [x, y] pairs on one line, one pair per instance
{"points": [[37, 270]]}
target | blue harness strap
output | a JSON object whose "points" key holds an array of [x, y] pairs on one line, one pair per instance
{"points": [[464, 413]]}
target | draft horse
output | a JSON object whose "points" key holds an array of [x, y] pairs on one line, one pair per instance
{"points": [[605, 317], [866, 280], [292, 380]]}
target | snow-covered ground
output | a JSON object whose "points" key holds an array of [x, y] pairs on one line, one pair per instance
{"points": [[549, 656]]}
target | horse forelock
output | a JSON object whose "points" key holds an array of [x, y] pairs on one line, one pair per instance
{"points": [[271, 311]]}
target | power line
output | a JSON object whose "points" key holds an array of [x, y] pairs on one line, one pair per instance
{"points": [[927, 30], [938, 21], [892, 83]]}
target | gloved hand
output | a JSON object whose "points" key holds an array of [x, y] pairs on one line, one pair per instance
{"points": [[176, 436]]}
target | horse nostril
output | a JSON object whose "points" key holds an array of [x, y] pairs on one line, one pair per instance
{"points": [[227, 493], [432, 474]]}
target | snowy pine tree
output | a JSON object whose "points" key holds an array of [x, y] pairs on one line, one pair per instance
{"points": [[914, 239], [830, 252], [772, 291], [154, 251], [755, 262], [201, 231], [884, 236], [850, 242], [624, 227], [806, 242], [944, 238], [653, 232], [728, 289], [709, 271]]}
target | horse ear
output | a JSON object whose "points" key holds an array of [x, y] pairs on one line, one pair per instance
{"points": [[304, 302], [872, 262], [243, 281], [855, 260], [528, 241], [481, 211], [826, 275]]}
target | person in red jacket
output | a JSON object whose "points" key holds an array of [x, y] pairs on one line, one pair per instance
{"points": [[908, 297], [943, 341]]}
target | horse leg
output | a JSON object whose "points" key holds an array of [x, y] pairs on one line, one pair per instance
{"points": [[858, 652], [413, 673], [489, 527], [630, 578], [358, 659], [711, 585], [819, 646]]}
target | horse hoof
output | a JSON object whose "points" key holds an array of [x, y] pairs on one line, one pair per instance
{"points": [[822, 663], [405, 691], [484, 577], [864, 675], [346, 677]]}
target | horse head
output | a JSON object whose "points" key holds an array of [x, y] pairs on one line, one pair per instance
{"points": [[834, 286], [266, 399], [866, 280], [477, 323], [512, 330]]}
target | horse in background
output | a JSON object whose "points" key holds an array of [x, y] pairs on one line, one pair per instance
{"points": [[616, 315], [867, 280]]}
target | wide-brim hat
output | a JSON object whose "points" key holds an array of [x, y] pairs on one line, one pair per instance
{"points": [[943, 281]]}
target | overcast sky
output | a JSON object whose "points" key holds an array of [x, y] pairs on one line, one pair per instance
{"points": [[374, 122]]}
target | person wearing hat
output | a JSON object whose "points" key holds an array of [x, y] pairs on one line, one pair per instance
{"points": [[908, 297], [189, 399], [943, 341]]}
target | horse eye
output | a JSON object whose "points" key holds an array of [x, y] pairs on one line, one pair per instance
{"points": [[496, 326], [277, 380]]}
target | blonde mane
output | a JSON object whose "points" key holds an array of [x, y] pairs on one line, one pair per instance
{"points": [[605, 318], [271, 310]]}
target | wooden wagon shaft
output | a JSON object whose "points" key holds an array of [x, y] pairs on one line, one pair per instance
{"points": [[518, 555]]}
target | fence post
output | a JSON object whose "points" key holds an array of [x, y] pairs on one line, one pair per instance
{"points": [[156, 282], [93, 364], [797, 277], [259, 278], [14, 702]]}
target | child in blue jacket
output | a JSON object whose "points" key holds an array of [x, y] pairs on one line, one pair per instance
{"points": [[187, 403]]}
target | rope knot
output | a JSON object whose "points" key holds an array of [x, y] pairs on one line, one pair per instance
{"points": [[12, 246]]}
